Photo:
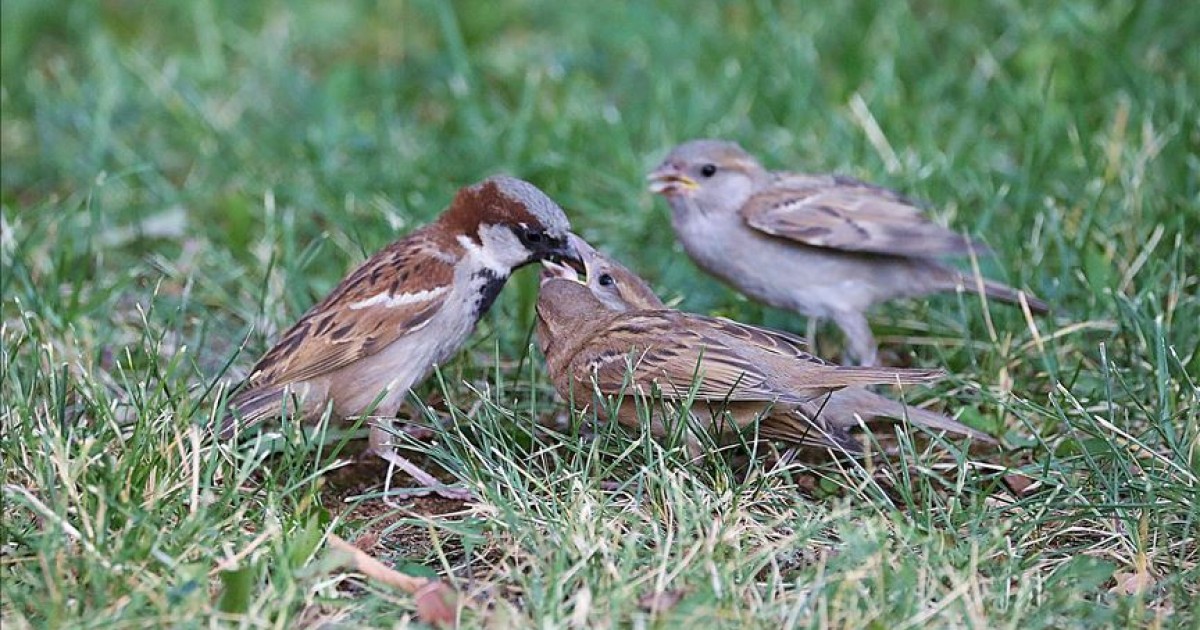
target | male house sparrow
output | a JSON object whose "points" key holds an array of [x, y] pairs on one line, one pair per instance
{"points": [[826, 246], [406, 309], [619, 290]]}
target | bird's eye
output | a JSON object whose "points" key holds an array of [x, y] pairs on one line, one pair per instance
{"points": [[708, 170], [606, 280], [535, 236]]}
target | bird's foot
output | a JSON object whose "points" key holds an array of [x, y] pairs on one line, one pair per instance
{"points": [[427, 483]]}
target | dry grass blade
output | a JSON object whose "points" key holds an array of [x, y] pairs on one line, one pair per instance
{"points": [[437, 602], [181, 181]]}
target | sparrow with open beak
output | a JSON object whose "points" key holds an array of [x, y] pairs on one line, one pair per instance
{"points": [[620, 290], [408, 308], [613, 339], [825, 246]]}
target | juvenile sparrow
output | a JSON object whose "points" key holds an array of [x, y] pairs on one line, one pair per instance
{"points": [[408, 308], [619, 290], [826, 246], [734, 376]]}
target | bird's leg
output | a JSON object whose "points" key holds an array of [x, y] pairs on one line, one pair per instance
{"points": [[859, 340], [380, 443], [420, 431], [814, 323]]}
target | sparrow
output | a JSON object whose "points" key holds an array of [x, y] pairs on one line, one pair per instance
{"points": [[411, 306], [620, 290], [826, 246]]}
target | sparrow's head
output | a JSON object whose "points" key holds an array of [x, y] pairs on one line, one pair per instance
{"points": [[618, 288], [510, 221], [566, 308], [711, 175], [567, 302]]}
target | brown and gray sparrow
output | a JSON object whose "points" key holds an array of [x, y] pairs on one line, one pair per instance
{"points": [[826, 246], [619, 290], [735, 376], [408, 308]]}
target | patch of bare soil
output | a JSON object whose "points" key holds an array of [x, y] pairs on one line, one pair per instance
{"points": [[378, 522]]}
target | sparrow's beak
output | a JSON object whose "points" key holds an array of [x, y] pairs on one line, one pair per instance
{"points": [[552, 269], [668, 180], [587, 256], [567, 262]]}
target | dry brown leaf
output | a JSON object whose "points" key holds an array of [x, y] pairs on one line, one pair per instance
{"points": [[1132, 582], [367, 542], [437, 602], [1019, 485]]}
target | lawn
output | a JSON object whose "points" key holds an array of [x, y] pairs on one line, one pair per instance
{"points": [[181, 180]]}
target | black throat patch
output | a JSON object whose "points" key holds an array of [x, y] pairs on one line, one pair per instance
{"points": [[490, 284]]}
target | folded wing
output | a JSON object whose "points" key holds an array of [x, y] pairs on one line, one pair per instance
{"points": [[845, 214]]}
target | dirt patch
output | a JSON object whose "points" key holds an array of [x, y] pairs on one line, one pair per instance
{"points": [[378, 527]]}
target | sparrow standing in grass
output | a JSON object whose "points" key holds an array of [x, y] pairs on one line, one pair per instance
{"points": [[407, 309], [619, 290], [826, 246]]}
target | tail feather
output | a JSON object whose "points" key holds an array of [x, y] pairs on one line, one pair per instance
{"points": [[933, 420], [249, 407], [1004, 293], [843, 405], [850, 376]]}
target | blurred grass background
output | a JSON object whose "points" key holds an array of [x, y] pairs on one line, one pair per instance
{"points": [[182, 177]]}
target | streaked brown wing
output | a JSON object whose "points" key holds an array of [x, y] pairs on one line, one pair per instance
{"points": [[849, 215], [392, 294], [672, 352], [784, 359], [774, 341]]}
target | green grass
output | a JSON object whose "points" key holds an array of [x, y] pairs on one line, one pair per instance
{"points": [[182, 179]]}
